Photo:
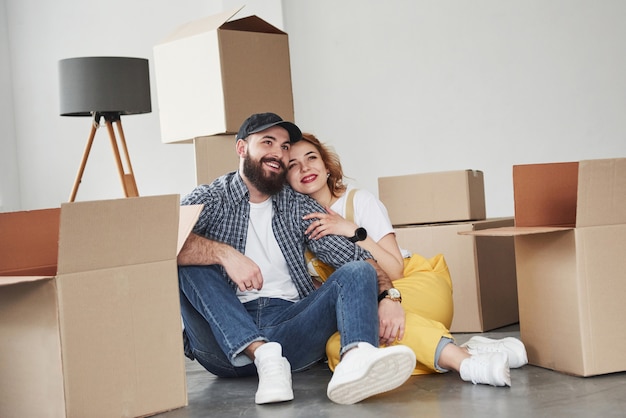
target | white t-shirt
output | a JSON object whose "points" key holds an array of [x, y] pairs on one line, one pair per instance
{"points": [[263, 249], [369, 213]]}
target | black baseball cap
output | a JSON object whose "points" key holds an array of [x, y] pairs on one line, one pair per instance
{"points": [[261, 121]]}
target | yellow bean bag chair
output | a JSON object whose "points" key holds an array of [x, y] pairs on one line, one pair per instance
{"points": [[427, 300]]}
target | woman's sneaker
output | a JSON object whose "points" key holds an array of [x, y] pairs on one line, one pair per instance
{"points": [[367, 371], [487, 369], [510, 346]]}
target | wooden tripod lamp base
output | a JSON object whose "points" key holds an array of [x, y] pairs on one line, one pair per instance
{"points": [[124, 168]]}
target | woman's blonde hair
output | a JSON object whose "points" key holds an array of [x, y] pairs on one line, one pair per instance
{"points": [[332, 163]]}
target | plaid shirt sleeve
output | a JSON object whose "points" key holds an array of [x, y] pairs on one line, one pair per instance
{"points": [[332, 249]]}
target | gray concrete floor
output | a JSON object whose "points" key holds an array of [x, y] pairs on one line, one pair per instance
{"points": [[535, 392]]}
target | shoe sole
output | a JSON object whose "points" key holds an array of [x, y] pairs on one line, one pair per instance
{"points": [[391, 371], [513, 341], [273, 398]]}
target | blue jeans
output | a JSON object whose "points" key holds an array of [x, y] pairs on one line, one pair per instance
{"points": [[219, 327]]}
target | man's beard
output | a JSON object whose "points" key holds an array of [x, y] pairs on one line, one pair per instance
{"points": [[269, 183]]}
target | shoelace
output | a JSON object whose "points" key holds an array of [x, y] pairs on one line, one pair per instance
{"points": [[272, 368], [487, 348]]}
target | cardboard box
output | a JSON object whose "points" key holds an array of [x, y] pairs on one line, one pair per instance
{"points": [[425, 198], [482, 271], [570, 235], [215, 156], [89, 309], [212, 73]]}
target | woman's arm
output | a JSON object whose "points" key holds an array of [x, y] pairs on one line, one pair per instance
{"points": [[386, 251]]}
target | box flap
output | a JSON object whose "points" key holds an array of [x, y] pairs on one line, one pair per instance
{"points": [[28, 242], [251, 24], [512, 231], [189, 215], [601, 192], [545, 194], [11, 280], [200, 26], [101, 234], [31, 380]]}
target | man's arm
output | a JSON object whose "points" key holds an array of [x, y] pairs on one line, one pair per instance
{"points": [[200, 251]]}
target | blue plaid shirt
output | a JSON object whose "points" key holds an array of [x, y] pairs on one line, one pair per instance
{"points": [[224, 218]]}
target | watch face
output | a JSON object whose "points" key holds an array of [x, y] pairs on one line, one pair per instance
{"points": [[394, 293], [361, 234]]}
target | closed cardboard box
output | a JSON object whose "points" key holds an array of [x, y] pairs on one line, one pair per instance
{"points": [[570, 235], [447, 196], [215, 156], [89, 309], [212, 73], [482, 270]]}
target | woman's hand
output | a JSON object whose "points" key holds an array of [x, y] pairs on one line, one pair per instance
{"points": [[392, 321], [330, 223]]}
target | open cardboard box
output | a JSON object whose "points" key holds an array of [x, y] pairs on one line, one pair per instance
{"points": [[212, 73], [89, 309], [570, 236]]}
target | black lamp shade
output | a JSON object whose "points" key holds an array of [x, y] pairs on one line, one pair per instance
{"points": [[104, 85]]}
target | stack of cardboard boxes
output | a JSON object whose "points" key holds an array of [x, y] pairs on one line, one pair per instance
{"points": [[428, 211], [570, 236], [211, 74], [89, 305]]}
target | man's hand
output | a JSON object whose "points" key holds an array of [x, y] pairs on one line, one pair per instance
{"points": [[392, 321], [201, 251], [243, 271], [390, 314]]}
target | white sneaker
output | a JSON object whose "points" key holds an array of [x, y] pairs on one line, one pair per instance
{"points": [[510, 346], [367, 370], [486, 368], [274, 374]]}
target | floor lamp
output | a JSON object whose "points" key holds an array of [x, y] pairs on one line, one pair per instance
{"points": [[105, 88]]}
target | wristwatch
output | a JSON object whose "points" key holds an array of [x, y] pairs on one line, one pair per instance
{"points": [[393, 294], [359, 235]]}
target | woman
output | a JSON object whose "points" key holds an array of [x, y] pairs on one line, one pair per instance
{"points": [[425, 285]]}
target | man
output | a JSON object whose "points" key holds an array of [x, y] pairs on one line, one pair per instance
{"points": [[248, 303]]}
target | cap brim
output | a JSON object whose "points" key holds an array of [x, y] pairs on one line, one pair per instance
{"points": [[295, 134]]}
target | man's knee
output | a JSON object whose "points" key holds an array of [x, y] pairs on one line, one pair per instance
{"points": [[361, 271], [191, 273]]}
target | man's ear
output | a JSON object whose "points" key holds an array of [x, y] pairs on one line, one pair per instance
{"points": [[240, 147]]}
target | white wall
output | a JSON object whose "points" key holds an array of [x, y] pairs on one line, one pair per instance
{"points": [[410, 86], [398, 87], [45, 148], [9, 175]]}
